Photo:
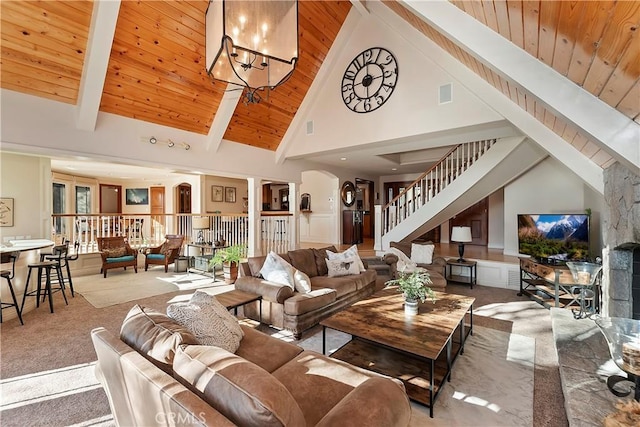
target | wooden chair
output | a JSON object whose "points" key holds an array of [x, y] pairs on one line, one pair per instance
{"points": [[166, 253], [115, 253]]}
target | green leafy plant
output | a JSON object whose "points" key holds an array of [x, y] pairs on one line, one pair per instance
{"points": [[414, 286], [232, 254]]}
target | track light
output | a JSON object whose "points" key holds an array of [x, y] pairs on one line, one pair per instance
{"points": [[167, 142]]}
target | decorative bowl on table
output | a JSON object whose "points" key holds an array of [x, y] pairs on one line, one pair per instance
{"points": [[623, 339], [584, 273]]}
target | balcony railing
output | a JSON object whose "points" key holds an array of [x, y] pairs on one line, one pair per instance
{"points": [[148, 230]]}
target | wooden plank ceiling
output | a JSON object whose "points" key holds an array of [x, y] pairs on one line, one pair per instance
{"points": [[156, 66], [595, 44]]}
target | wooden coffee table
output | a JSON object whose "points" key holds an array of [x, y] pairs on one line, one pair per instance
{"points": [[420, 350]]}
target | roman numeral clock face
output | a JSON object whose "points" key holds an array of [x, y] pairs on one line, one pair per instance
{"points": [[369, 80]]}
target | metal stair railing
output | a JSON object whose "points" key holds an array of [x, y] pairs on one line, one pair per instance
{"points": [[432, 182]]}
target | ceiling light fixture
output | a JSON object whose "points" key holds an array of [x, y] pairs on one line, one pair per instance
{"points": [[168, 142], [253, 44]]}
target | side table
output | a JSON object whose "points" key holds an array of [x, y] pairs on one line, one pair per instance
{"points": [[458, 278], [236, 298]]}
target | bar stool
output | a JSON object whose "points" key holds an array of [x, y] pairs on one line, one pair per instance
{"points": [[47, 266], [60, 254], [5, 258]]}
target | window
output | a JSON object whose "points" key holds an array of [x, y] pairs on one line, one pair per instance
{"points": [[83, 200], [59, 204]]}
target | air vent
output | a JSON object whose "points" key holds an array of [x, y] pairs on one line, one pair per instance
{"points": [[446, 93], [310, 127], [513, 279]]}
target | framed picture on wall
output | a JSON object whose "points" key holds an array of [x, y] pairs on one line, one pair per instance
{"points": [[6, 212], [230, 194], [216, 193], [137, 196]]}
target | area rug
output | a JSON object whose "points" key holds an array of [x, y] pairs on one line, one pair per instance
{"points": [[491, 385], [129, 286]]}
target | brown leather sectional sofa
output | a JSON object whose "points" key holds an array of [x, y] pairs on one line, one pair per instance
{"points": [[284, 308], [155, 374]]}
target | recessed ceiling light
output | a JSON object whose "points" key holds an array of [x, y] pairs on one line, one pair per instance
{"points": [[153, 140], [394, 169], [343, 158]]}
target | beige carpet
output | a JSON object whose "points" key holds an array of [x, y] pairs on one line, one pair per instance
{"points": [[123, 286], [490, 381]]}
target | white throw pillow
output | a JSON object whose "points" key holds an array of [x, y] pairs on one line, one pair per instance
{"points": [[352, 252], [422, 254], [301, 282], [342, 267], [208, 320], [275, 269]]}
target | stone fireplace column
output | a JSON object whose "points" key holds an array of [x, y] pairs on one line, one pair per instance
{"points": [[621, 235]]}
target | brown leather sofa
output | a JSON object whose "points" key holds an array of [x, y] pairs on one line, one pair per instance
{"points": [[155, 374], [284, 308], [435, 269]]}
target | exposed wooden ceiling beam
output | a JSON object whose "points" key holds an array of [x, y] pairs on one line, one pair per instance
{"points": [[96, 61], [613, 131]]}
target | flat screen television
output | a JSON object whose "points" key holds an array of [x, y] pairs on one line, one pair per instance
{"points": [[554, 237]]}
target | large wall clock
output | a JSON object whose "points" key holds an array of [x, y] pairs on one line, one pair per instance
{"points": [[369, 80]]}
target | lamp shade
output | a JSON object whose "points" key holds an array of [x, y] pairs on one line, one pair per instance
{"points": [[200, 222], [461, 234], [251, 43]]}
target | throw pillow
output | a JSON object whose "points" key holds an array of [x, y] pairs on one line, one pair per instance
{"points": [[320, 255], [301, 282], [154, 335], [342, 267], [352, 252], [422, 254], [277, 270], [208, 320], [115, 253]]}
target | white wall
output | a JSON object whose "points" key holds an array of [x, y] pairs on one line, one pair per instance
{"points": [[322, 225], [209, 206], [411, 110], [26, 179], [550, 187]]}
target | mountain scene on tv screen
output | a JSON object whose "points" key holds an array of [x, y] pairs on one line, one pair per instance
{"points": [[563, 237]]}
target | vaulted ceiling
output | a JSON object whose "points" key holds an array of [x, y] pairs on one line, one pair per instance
{"points": [[156, 64]]}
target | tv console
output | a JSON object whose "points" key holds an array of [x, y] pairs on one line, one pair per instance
{"points": [[553, 286]]}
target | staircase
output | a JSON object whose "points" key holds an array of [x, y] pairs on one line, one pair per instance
{"points": [[465, 175]]}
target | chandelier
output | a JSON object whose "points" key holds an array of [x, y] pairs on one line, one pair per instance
{"points": [[253, 44]]}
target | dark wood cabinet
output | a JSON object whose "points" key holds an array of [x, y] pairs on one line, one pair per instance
{"points": [[352, 227]]}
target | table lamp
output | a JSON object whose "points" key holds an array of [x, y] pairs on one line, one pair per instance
{"points": [[200, 223], [461, 235]]}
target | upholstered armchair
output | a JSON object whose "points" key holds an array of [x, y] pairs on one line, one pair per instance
{"points": [[435, 265], [116, 252], [166, 253]]}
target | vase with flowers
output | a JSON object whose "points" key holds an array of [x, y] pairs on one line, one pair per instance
{"points": [[414, 286]]}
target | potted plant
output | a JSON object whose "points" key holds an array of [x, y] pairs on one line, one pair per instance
{"points": [[414, 287], [229, 258]]}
